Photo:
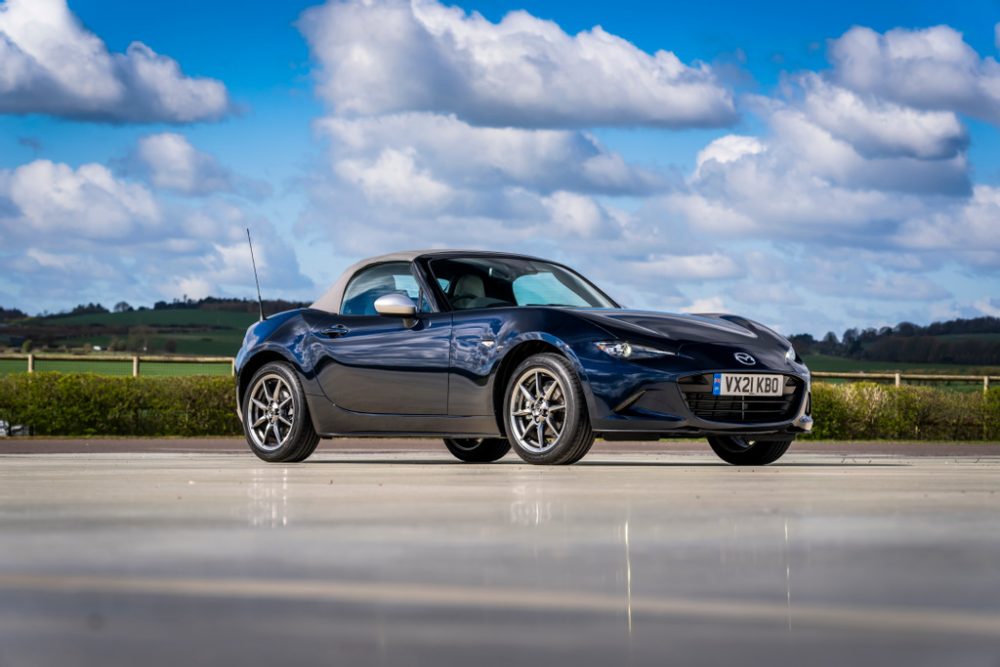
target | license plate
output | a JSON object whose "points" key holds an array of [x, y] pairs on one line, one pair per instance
{"points": [[747, 384]]}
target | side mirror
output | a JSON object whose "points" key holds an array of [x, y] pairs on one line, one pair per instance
{"points": [[396, 305]]}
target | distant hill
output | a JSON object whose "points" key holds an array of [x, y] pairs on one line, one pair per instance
{"points": [[11, 314], [210, 326], [214, 326], [962, 341]]}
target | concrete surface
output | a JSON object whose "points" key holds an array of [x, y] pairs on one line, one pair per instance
{"points": [[397, 554], [418, 446]]}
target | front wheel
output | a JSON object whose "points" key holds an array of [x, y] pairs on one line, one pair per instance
{"points": [[742, 451], [477, 450], [545, 412], [275, 416]]}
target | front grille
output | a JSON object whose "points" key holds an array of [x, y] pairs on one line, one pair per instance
{"points": [[697, 392]]}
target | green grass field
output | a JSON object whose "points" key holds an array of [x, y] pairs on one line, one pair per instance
{"points": [[178, 368], [224, 343], [223, 319], [824, 363], [109, 367], [12, 366], [215, 332]]}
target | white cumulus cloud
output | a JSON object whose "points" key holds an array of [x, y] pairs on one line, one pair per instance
{"points": [[930, 68], [579, 215], [711, 304], [448, 130], [488, 157], [395, 176], [877, 128], [728, 149], [704, 266], [988, 307], [73, 233], [50, 64], [971, 225], [174, 164], [54, 199], [388, 56]]}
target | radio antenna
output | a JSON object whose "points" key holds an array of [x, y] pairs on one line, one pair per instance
{"points": [[260, 301]]}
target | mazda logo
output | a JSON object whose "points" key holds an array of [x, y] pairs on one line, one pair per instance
{"points": [[745, 358]]}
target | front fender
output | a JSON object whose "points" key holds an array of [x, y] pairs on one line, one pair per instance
{"points": [[280, 337], [246, 356], [511, 346], [545, 337], [273, 334]]}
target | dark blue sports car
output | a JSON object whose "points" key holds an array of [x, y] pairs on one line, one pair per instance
{"points": [[491, 351]]}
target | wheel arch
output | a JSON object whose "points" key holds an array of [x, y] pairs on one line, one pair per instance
{"points": [[253, 364], [528, 347]]}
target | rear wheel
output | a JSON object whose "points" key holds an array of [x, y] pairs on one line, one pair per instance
{"points": [[742, 451], [545, 412], [275, 416], [477, 450]]}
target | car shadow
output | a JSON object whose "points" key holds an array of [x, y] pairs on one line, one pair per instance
{"points": [[611, 464], [721, 464]]}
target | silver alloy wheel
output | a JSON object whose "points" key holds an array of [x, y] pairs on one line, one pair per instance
{"points": [[537, 410], [270, 413]]}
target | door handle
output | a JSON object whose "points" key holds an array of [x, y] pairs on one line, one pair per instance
{"points": [[335, 331]]}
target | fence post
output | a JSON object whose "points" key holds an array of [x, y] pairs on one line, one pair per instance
{"points": [[899, 380], [135, 365], [233, 365], [31, 362], [986, 383]]}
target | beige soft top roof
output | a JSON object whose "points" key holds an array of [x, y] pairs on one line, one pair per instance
{"points": [[332, 298]]}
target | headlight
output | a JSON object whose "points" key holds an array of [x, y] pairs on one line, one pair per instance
{"points": [[790, 354], [622, 350]]}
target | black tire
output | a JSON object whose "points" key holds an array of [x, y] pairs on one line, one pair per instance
{"points": [[572, 437], [741, 451], [280, 443], [477, 450]]}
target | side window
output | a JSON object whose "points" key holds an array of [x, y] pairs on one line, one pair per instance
{"points": [[373, 282], [407, 284]]}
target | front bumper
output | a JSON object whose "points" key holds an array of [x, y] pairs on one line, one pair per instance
{"points": [[669, 399], [662, 409]]}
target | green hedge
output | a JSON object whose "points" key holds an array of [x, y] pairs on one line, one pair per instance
{"points": [[866, 410], [89, 404]]}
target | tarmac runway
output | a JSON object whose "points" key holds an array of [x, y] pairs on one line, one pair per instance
{"points": [[194, 552]]}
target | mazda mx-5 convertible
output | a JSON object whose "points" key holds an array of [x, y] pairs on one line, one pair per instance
{"points": [[491, 351]]}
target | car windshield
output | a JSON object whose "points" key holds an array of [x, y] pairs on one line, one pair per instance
{"points": [[496, 282]]}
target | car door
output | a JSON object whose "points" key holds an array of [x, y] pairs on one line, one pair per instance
{"points": [[385, 364], [473, 358]]}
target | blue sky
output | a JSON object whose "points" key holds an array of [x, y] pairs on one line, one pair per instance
{"points": [[813, 167]]}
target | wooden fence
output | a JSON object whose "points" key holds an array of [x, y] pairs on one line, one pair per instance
{"points": [[899, 378], [136, 359]]}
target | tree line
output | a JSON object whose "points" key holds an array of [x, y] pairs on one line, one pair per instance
{"points": [[973, 341], [207, 303]]}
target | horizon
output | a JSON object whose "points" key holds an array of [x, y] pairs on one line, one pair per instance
{"points": [[91, 308], [812, 170]]}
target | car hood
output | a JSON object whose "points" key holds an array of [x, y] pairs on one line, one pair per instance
{"points": [[682, 329]]}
